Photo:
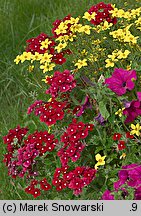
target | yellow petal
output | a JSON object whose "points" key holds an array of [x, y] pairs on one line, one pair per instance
{"points": [[97, 157], [103, 158], [133, 126]]}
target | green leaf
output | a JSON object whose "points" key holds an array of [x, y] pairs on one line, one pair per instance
{"points": [[103, 110]]}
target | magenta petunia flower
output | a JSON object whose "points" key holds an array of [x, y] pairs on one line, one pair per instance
{"points": [[139, 96], [107, 195], [132, 110], [121, 81]]}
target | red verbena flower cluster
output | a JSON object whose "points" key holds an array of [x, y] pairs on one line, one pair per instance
{"points": [[21, 160], [33, 187], [72, 141], [102, 11], [13, 137], [76, 179], [34, 44], [60, 82], [49, 112], [43, 141], [121, 143]]}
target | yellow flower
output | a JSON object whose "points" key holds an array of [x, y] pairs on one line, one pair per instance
{"points": [[86, 29], [62, 38], [88, 16], [26, 56], [81, 63], [61, 28], [47, 67], [106, 25], [46, 58], [123, 55], [36, 57], [131, 39], [123, 156], [100, 160], [72, 20], [120, 112], [60, 47], [31, 68], [109, 63], [84, 52], [17, 59], [76, 28], [45, 43], [138, 21], [136, 129]]}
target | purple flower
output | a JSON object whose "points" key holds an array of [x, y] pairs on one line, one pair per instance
{"points": [[132, 111], [139, 96], [84, 106], [118, 184], [100, 119], [121, 81], [107, 195], [138, 193]]}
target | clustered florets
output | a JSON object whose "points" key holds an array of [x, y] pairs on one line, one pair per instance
{"points": [[76, 179], [60, 82], [72, 139]]}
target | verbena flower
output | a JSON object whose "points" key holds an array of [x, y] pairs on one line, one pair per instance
{"points": [[60, 82], [102, 13]]}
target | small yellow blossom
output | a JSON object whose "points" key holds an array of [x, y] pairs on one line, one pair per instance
{"points": [[84, 52], [61, 28], [109, 63], [106, 25], [100, 160], [45, 43], [17, 59], [81, 63], [60, 47], [63, 38], [47, 67], [123, 156], [72, 20], [76, 28], [31, 68], [136, 129], [120, 112], [88, 16], [46, 58], [26, 56], [128, 67], [86, 29], [123, 54], [36, 57]]}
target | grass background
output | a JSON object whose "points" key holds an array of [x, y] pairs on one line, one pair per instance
{"points": [[20, 20]]}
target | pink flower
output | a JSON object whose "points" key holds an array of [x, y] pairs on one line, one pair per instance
{"points": [[121, 81], [107, 195], [139, 96], [132, 110]]}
